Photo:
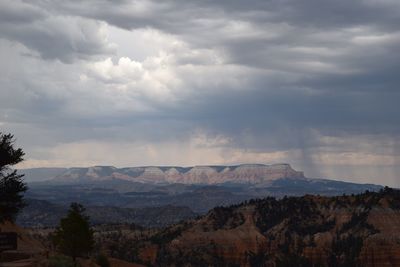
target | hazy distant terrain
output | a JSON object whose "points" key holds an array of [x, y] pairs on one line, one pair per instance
{"points": [[195, 190]]}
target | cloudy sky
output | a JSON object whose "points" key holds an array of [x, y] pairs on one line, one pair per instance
{"points": [[314, 83]]}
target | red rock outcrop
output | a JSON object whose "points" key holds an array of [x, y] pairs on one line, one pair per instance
{"points": [[351, 230]]}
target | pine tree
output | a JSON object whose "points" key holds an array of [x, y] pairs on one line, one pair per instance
{"points": [[12, 186], [74, 237]]}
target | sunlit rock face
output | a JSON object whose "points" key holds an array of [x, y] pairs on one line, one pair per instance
{"points": [[246, 173]]}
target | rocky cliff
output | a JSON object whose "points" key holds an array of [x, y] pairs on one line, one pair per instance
{"points": [[358, 230], [247, 173]]}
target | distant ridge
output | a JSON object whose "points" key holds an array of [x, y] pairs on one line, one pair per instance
{"points": [[204, 174], [199, 187]]}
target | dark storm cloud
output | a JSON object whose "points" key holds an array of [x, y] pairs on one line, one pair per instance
{"points": [[270, 75], [265, 113], [169, 15], [310, 25], [53, 37], [19, 12]]}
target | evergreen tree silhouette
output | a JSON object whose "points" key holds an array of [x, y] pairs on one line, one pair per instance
{"points": [[12, 186], [74, 237]]}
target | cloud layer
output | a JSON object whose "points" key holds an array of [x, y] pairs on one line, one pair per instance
{"points": [[312, 83]]}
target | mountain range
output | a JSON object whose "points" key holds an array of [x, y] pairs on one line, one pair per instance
{"points": [[195, 190], [241, 174]]}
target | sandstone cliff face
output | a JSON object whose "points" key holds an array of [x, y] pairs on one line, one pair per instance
{"points": [[383, 248], [361, 230], [247, 173]]}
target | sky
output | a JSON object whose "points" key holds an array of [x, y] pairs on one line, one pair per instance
{"points": [[312, 83]]}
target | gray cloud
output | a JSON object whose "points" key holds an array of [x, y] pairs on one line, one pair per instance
{"points": [[63, 37], [262, 76], [19, 12]]}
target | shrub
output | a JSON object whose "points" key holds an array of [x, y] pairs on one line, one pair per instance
{"points": [[102, 260], [61, 261]]}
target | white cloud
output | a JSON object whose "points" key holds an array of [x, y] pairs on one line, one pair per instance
{"points": [[122, 72]]}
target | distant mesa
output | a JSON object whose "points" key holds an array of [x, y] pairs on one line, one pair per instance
{"points": [[241, 174]]}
